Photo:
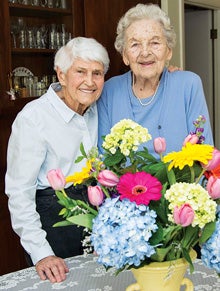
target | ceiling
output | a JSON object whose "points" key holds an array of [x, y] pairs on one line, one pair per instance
{"points": [[214, 4]]}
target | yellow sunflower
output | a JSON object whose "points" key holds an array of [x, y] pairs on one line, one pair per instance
{"points": [[79, 177], [188, 155]]}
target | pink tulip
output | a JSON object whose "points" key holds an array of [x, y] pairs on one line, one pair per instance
{"points": [[183, 215], [214, 162], [56, 179], [213, 187], [192, 138], [159, 145], [95, 195], [108, 178]]}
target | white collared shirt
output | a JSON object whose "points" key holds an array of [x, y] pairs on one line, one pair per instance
{"points": [[46, 135]]}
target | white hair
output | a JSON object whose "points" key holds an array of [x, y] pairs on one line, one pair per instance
{"points": [[144, 11], [85, 48]]}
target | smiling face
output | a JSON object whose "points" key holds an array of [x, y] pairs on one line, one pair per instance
{"points": [[146, 50], [82, 84]]}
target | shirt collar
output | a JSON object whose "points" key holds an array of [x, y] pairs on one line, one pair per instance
{"points": [[64, 111]]}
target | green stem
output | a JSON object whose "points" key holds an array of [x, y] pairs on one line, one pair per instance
{"points": [[200, 176], [64, 193], [105, 192], [86, 206], [171, 176], [192, 172]]}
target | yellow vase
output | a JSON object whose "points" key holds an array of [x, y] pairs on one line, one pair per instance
{"points": [[164, 276]]}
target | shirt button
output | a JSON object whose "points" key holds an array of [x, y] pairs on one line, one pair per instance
{"points": [[159, 126]]}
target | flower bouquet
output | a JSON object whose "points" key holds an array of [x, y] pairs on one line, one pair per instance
{"points": [[142, 209]]}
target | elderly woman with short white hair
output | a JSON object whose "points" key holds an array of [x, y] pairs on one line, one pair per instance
{"points": [[47, 135]]}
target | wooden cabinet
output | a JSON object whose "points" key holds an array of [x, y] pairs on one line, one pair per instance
{"points": [[91, 18], [101, 19], [32, 34]]}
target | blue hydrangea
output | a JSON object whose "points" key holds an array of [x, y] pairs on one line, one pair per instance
{"points": [[210, 251], [121, 233]]}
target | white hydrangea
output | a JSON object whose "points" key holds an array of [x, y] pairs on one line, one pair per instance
{"points": [[198, 198], [126, 135]]}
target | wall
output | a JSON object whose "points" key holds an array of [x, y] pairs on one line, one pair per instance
{"points": [[217, 79], [199, 51], [175, 9]]}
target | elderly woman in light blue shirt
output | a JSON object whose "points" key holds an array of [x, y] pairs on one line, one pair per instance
{"points": [[166, 103], [46, 135]]}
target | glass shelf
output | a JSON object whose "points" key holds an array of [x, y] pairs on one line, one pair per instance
{"points": [[35, 11]]}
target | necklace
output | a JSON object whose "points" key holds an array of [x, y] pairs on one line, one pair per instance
{"points": [[152, 98]]}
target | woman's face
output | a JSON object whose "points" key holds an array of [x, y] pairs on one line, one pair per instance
{"points": [[146, 50], [82, 84]]}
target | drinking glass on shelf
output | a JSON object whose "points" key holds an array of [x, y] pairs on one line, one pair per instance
{"points": [[14, 34], [57, 40], [63, 4], [52, 36], [22, 39], [18, 32], [30, 86], [24, 2], [30, 37], [38, 39], [44, 36], [50, 3], [57, 3], [35, 2]]}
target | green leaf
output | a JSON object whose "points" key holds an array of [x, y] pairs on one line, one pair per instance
{"points": [[147, 157], [82, 150], [113, 159], [153, 168], [171, 232], [157, 237], [79, 159], [171, 176], [186, 255], [160, 254], [189, 236], [84, 220], [63, 211], [161, 209], [63, 200], [207, 232], [62, 223]]}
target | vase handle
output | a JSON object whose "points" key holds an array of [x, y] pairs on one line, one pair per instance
{"points": [[133, 287], [188, 283]]}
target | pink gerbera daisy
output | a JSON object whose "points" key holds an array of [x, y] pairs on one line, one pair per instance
{"points": [[139, 187]]}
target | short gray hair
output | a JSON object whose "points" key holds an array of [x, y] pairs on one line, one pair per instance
{"points": [[85, 48], [144, 11]]}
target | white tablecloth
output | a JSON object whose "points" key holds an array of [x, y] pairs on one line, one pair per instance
{"points": [[87, 275]]}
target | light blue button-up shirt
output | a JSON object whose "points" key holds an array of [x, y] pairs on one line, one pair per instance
{"points": [[46, 135]]}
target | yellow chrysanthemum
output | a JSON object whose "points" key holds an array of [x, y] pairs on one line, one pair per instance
{"points": [[79, 177], [188, 155]]}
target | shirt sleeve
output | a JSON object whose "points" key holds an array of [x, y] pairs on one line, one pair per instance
{"points": [[26, 153]]}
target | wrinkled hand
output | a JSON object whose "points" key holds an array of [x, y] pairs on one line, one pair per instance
{"points": [[52, 268], [172, 68]]}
